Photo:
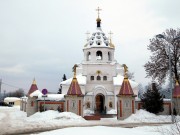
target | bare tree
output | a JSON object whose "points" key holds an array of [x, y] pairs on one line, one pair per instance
{"points": [[17, 93], [158, 66], [140, 90], [131, 75]]}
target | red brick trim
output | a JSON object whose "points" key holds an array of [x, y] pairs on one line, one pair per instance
{"points": [[139, 106], [80, 107], [67, 106], [32, 103], [132, 106], [120, 103]]}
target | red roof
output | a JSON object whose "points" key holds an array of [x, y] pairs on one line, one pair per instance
{"points": [[126, 88], [176, 92], [74, 88], [33, 87]]}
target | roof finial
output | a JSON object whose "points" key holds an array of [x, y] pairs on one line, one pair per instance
{"points": [[110, 35], [177, 84], [87, 33], [125, 71], [98, 19], [74, 70], [110, 40], [98, 9], [34, 81]]}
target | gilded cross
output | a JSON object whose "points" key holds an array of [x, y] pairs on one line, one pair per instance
{"points": [[98, 10], [125, 69], [87, 33], [74, 69], [110, 34]]}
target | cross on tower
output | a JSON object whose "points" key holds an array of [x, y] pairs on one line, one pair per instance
{"points": [[110, 34], [98, 10], [74, 69], [87, 33]]}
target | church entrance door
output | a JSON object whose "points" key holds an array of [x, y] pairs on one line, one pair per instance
{"points": [[99, 103]]}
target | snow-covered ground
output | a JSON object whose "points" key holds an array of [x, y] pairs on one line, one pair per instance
{"points": [[12, 120], [102, 130]]}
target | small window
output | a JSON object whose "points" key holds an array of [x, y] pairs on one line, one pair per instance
{"points": [[109, 56], [11, 103], [88, 56], [104, 78], [98, 42], [99, 55], [32, 103], [92, 78], [98, 37], [126, 103], [98, 78]]}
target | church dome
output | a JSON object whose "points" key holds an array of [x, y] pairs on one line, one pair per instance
{"points": [[98, 39]]}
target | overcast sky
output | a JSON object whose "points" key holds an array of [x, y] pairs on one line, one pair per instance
{"points": [[45, 38]]}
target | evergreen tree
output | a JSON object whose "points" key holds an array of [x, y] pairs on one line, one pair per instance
{"points": [[152, 100], [64, 77], [60, 88]]}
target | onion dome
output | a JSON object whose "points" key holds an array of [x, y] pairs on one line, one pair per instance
{"points": [[74, 88], [33, 87], [98, 39], [176, 92]]}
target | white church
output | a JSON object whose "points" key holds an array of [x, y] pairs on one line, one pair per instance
{"points": [[100, 85], [99, 75]]}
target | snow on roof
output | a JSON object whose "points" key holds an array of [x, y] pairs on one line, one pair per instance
{"points": [[24, 98], [98, 39], [11, 99], [119, 79], [81, 80], [36, 93], [52, 97]]}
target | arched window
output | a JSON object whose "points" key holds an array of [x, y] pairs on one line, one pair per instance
{"points": [[92, 78], [88, 56], [98, 78], [99, 55], [109, 56], [104, 78], [32, 103]]}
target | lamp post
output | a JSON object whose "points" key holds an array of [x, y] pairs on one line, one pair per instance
{"points": [[170, 75]]}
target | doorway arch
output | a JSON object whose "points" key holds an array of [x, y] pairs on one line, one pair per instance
{"points": [[100, 99]]}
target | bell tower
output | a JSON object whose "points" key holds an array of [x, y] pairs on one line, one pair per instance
{"points": [[99, 48]]}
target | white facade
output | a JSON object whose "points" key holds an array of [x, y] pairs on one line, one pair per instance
{"points": [[99, 75]]}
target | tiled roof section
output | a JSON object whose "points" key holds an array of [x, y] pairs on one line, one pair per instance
{"points": [[74, 88], [33, 87], [126, 88], [176, 93]]}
